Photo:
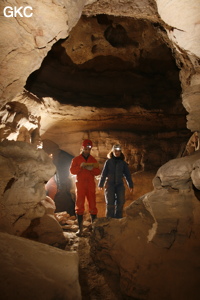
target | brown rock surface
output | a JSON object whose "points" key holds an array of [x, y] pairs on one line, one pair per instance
{"points": [[157, 237], [25, 42], [25, 169], [37, 271], [116, 75]]}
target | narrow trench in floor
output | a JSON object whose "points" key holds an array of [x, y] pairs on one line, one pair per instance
{"points": [[94, 286]]}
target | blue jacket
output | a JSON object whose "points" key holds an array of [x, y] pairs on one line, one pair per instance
{"points": [[115, 169]]}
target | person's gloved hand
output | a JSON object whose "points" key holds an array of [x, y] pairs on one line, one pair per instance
{"points": [[89, 168], [83, 165]]}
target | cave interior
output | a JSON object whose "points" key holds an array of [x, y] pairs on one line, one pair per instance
{"points": [[125, 78]]}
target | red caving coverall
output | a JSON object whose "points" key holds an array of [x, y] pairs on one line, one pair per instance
{"points": [[85, 184]]}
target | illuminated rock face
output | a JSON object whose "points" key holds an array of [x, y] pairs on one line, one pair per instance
{"points": [[112, 78], [23, 200], [26, 41]]}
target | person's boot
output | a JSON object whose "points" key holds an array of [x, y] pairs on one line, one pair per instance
{"points": [[80, 225], [93, 217]]}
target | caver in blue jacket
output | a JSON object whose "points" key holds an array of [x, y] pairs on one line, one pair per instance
{"points": [[115, 169]]}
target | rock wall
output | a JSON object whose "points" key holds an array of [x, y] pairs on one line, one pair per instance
{"points": [[184, 30], [149, 138], [24, 42], [153, 252], [24, 171]]}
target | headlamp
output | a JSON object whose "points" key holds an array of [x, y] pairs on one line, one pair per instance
{"points": [[117, 147]]}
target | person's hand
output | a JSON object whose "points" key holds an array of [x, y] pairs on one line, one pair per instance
{"points": [[82, 165], [100, 188], [86, 166], [89, 168]]}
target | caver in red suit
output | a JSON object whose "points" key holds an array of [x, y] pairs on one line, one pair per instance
{"points": [[82, 166]]}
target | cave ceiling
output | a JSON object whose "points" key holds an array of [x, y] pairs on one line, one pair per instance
{"points": [[110, 62], [110, 69], [113, 68]]}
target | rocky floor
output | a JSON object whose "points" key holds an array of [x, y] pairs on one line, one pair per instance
{"points": [[94, 284]]}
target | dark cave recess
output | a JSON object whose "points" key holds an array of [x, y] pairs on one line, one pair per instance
{"points": [[147, 76]]}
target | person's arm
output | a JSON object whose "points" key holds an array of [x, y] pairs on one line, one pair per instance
{"points": [[95, 171], [104, 174], [128, 177], [75, 167]]}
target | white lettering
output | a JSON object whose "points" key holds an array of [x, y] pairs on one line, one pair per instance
{"points": [[25, 8], [17, 11], [10, 11]]}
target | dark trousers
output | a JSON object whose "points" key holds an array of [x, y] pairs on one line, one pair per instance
{"points": [[115, 199]]}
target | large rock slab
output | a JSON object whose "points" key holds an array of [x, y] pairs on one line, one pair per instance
{"points": [[25, 209], [34, 271]]}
